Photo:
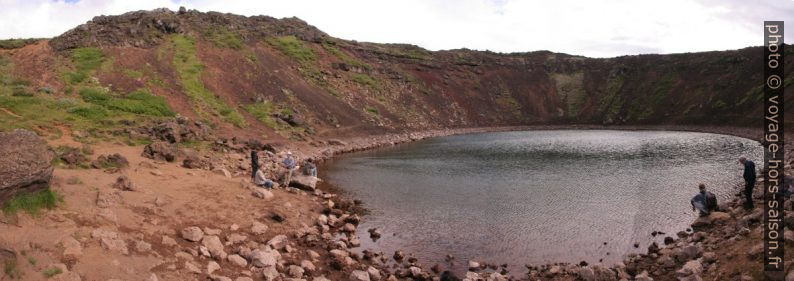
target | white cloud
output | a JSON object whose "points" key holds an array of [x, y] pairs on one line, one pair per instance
{"points": [[598, 28]]}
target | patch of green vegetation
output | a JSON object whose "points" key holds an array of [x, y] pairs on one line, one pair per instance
{"points": [[132, 73], [139, 102], [33, 203], [507, 101], [334, 50], [11, 269], [17, 43], [293, 48], [86, 61], [263, 111], [189, 68], [46, 90], [20, 91], [365, 80], [643, 107], [610, 104], [90, 112], [720, 105], [571, 89], [222, 37], [373, 110], [300, 52], [52, 271], [251, 57]]}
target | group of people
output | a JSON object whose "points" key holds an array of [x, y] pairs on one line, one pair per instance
{"points": [[705, 202], [263, 179]]}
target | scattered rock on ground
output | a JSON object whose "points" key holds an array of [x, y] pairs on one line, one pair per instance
{"points": [[161, 151], [193, 234], [124, 183]]}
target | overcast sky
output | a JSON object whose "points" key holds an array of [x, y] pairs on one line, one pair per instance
{"points": [[595, 28]]}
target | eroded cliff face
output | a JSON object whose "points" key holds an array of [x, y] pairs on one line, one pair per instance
{"points": [[286, 79]]}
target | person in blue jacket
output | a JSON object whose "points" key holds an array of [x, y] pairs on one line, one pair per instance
{"points": [[704, 201]]}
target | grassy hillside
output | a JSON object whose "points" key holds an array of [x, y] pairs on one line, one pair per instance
{"points": [[284, 79]]}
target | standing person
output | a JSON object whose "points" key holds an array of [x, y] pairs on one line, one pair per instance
{"points": [[290, 164], [254, 163], [749, 181]]}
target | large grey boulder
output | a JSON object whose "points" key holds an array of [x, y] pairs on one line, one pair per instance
{"points": [[25, 163], [303, 182]]}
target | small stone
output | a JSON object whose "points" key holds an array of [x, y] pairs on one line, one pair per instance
{"points": [[142, 246], [295, 271], [693, 267], [124, 183], [235, 238], [262, 193], [193, 234], [261, 258], [190, 267], [212, 266], [415, 271], [258, 228], [279, 217], [278, 242], [313, 255], [359, 275], [398, 256], [211, 231], [71, 247], [308, 266], [168, 241], [214, 246], [237, 260], [474, 265], [643, 276]]}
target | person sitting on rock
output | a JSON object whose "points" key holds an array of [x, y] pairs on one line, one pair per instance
{"points": [[704, 201], [309, 168], [261, 180]]}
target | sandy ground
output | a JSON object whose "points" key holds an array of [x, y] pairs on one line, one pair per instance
{"points": [[167, 199]]}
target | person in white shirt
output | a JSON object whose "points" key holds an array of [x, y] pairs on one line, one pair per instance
{"points": [[261, 180]]}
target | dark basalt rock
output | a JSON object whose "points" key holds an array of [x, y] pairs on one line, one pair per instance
{"points": [[25, 163]]}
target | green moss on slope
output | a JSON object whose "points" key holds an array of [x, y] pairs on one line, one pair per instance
{"points": [[189, 69]]}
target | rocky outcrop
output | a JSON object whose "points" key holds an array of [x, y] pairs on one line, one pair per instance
{"points": [[161, 151], [25, 163], [146, 29]]}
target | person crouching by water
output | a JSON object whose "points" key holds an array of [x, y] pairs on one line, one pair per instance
{"points": [[290, 163], [749, 181], [261, 180], [254, 164], [309, 168], [704, 201]]}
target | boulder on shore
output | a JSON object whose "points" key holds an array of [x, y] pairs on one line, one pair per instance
{"points": [[304, 182], [25, 163]]}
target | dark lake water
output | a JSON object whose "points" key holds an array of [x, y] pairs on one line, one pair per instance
{"points": [[537, 196]]}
